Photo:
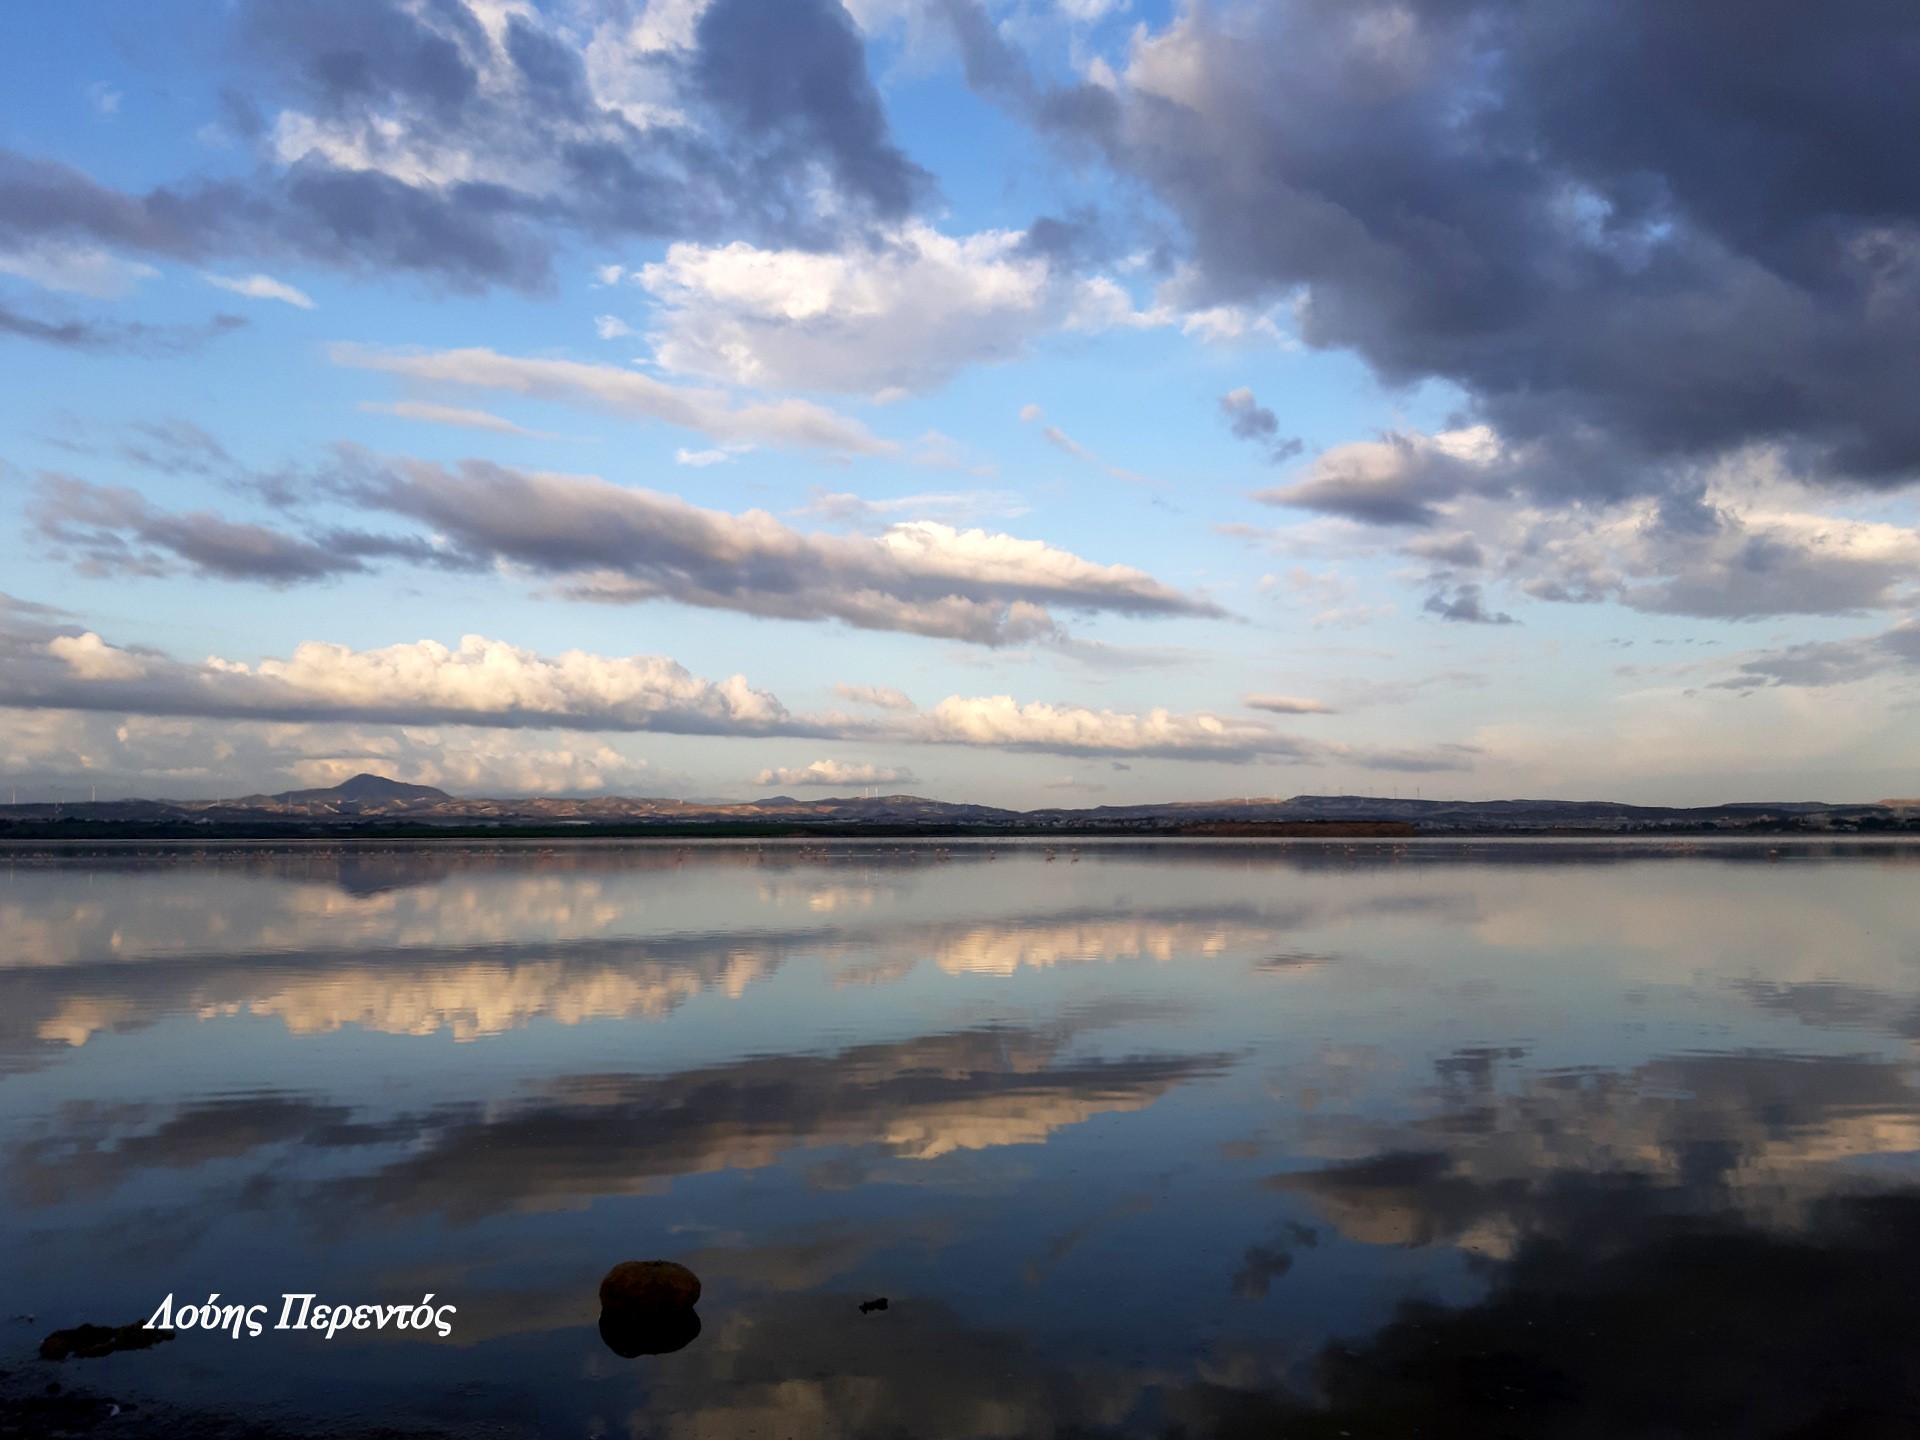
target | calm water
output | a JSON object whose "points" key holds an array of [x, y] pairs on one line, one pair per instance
{"points": [[1210, 1139]]}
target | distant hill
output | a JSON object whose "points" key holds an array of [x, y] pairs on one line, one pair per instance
{"points": [[373, 803], [366, 790]]}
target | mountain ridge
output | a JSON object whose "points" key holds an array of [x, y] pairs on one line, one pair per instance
{"points": [[368, 800]]}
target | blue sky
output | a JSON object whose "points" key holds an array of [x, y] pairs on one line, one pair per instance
{"points": [[1033, 403]]}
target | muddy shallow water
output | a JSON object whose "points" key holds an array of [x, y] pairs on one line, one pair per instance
{"points": [[1137, 1139]]}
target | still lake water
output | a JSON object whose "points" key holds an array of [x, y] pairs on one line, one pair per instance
{"points": [[1205, 1139]]}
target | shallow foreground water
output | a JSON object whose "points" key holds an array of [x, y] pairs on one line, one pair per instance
{"points": [[1530, 1139]]}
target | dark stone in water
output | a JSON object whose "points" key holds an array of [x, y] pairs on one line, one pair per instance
{"points": [[90, 1342], [650, 1285], [867, 1307], [634, 1330]]}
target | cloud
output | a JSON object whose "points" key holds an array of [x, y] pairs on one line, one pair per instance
{"points": [[1001, 722], [1287, 705], [465, 142], [450, 415], [1817, 664], [905, 310], [1462, 603], [1250, 420], [1396, 480], [1724, 551], [48, 665], [619, 545], [1737, 540], [260, 287], [481, 682], [1596, 219], [783, 424], [78, 269], [128, 337], [1060, 440], [1458, 552], [952, 507], [880, 697], [833, 773], [624, 545], [116, 532]]}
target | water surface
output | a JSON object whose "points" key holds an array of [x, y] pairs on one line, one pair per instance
{"points": [[1138, 1139]]}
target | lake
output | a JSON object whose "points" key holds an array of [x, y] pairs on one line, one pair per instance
{"points": [[1195, 1139]]}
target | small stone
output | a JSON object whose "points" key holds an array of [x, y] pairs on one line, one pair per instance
{"points": [[650, 1285]]}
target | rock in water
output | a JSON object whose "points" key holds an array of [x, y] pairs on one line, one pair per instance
{"points": [[649, 1285], [90, 1342]]}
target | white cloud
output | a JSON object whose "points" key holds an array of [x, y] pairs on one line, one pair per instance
{"points": [[880, 697], [833, 772], [492, 685], [260, 287], [480, 682], [786, 424], [450, 415], [958, 507], [611, 327], [905, 312], [146, 755], [1060, 440], [1003, 723]]}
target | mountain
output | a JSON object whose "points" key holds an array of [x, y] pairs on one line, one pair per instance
{"points": [[367, 792], [374, 803]]}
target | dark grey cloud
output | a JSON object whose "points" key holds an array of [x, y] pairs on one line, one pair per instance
{"points": [[619, 544], [790, 76], [1817, 664], [1250, 420], [394, 137], [1247, 418], [1462, 602], [116, 336], [112, 530], [1681, 228], [1460, 552], [606, 543]]}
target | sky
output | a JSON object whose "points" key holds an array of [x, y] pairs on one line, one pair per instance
{"points": [[1031, 402]]}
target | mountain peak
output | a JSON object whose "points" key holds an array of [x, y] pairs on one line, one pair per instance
{"points": [[365, 789]]}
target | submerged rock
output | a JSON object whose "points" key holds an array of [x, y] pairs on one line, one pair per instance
{"points": [[650, 1285], [634, 1330], [90, 1342]]}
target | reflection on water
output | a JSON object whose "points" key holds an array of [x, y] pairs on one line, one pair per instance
{"points": [[1203, 1140]]}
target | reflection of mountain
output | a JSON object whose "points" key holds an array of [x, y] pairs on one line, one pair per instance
{"points": [[579, 1137]]}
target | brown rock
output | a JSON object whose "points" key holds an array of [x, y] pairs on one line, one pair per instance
{"points": [[650, 1285]]}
